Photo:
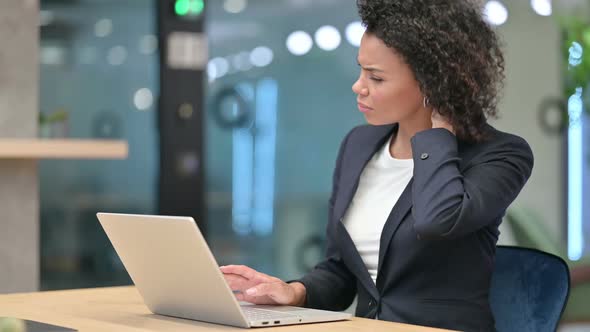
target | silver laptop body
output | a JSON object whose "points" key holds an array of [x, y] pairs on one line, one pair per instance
{"points": [[176, 274]]}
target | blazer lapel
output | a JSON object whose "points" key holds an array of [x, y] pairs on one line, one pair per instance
{"points": [[353, 165], [399, 211], [360, 154], [353, 260]]}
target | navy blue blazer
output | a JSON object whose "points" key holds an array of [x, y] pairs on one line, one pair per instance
{"points": [[438, 245]]}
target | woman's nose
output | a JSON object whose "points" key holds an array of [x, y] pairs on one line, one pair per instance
{"points": [[358, 88]]}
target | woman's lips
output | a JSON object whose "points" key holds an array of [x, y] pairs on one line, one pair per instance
{"points": [[364, 108]]}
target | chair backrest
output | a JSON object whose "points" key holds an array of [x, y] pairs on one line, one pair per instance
{"points": [[529, 290]]}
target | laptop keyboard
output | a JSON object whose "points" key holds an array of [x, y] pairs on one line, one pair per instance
{"points": [[255, 314]]}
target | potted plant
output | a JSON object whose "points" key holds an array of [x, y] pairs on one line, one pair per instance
{"points": [[54, 124]]}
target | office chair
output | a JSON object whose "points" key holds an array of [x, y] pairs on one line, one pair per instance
{"points": [[529, 230], [529, 290]]}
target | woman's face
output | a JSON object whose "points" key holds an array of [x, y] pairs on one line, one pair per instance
{"points": [[386, 89]]}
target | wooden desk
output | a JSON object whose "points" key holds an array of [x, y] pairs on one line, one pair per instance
{"points": [[62, 149], [121, 309]]}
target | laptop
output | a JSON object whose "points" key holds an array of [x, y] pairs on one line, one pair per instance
{"points": [[176, 274]]}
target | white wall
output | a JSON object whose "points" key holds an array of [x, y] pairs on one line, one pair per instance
{"points": [[19, 199], [533, 73]]}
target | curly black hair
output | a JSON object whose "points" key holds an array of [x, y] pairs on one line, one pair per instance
{"points": [[453, 52]]}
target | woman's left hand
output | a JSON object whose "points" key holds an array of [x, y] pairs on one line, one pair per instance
{"points": [[438, 121]]}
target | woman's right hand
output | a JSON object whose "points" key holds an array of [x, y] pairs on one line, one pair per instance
{"points": [[255, 287]]}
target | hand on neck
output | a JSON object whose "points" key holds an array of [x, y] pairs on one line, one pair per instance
{"points": [[401, 147]]}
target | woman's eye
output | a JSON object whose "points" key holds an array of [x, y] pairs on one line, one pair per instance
{"points": [[376, 79]]}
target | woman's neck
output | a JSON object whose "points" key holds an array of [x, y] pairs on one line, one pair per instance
{"points": [[400, 146]]}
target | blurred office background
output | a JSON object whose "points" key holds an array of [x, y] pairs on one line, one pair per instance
{"points": [[273, 102], [272, 122]]}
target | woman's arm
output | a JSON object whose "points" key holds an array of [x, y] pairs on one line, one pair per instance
{"points": [[447, 203]]}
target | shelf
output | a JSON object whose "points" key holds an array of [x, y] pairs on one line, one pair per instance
{"points": [[62, 149]]}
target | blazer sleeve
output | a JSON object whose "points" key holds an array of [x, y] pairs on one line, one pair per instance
{"points": [[449, 204], [331, 285]]}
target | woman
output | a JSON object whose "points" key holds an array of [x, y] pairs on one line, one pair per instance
{"points": [[419, 193]]}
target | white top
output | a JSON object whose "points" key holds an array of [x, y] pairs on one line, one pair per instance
{"points": [[381, 184]]}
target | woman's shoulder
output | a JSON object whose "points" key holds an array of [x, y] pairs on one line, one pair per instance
{"points": [[498, 144], [502, 139], [496, 141]]}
